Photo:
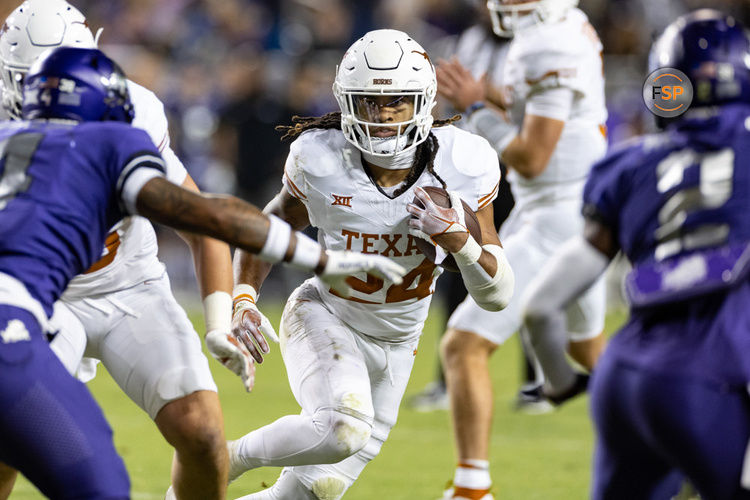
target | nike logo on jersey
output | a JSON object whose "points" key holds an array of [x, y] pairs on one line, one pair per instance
{"points": [[15, 332], [343, 201]]}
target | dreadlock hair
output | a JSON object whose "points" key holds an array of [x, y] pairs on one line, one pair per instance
{"points": [[423, 158]]}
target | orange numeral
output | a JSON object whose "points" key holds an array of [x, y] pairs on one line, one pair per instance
{"points": [[396, 293], [111, 244]]}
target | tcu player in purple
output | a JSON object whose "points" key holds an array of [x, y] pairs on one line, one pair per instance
{"points": [[670, 394], [65, 178]]}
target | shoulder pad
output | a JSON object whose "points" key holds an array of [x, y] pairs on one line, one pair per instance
{"points": [[469, 153], [319, 153]]}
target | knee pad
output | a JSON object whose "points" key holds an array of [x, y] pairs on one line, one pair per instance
{"points": [[344, 434], [289, 486], [329, 488]]}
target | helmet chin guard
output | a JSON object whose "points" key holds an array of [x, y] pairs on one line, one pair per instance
{"points": [[35, 26], [385, 87], [509, 17]]}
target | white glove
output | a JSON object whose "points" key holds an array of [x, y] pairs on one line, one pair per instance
{"points": [[432, 220], [342, 264], [251, 327], [229, 352]]}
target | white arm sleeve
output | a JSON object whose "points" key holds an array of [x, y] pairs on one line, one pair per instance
{"points": [[492, 293], [568, 274], [491, 125], [554, 103], [134, 176]]}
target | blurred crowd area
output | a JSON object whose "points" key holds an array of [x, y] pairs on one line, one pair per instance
{"points": [[228, 71]]}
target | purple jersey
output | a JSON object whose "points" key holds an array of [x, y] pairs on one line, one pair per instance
{"points": [[677, 203], [61, 190]]}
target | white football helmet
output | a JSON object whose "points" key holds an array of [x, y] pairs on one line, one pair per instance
{"points": [[510, 16], [385, 69], [35, 26]]}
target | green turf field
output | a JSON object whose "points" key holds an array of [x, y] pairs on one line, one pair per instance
{"points": [[533, 457]]}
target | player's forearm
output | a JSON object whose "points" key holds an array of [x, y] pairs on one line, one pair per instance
{"points": [[525, 158], [228, 219], [493, 126], [213, 265], [250, 270], [455, 242], [486, 274], [515, 150], [211, 258]]}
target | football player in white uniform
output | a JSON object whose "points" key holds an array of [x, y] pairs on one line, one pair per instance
{"points": [[122, 310], [353, 175], [554, 93]]}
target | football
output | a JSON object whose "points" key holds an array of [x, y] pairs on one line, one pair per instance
{"points": [[441, 199]]}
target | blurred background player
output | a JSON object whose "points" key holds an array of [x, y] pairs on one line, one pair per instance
{"points": [[482, 53], [153, 353], [554, 93], [669, 397], [66, 180], [353, 175]]}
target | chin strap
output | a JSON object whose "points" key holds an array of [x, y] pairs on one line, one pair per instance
{"points": [[399, 161]]}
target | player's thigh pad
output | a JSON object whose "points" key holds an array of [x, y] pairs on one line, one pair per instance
{"points": [[147, 343], [53, 431], [69, 342], [326, 368]]}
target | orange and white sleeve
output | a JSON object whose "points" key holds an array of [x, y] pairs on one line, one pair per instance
{"points": [[489, 182], [294, 176]]}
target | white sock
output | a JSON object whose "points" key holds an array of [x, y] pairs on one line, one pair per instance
{"points": [[296, 440], [474, 474], [288, 487]]}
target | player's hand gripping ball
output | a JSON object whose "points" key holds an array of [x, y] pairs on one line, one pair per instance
{"points": [[443, 219]]}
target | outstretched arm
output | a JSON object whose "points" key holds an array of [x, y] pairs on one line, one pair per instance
{"points": [[222, 217], [249, 269], [243, 225]]}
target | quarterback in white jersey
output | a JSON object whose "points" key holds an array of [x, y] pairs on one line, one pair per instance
{"points": [[122, 310], [553, 91], [354, 175]]}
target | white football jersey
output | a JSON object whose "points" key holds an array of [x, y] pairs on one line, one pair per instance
{"points": [[325, 172], [548, 56], [130, 251]]}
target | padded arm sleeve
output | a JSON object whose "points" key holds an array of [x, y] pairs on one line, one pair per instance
{"points": [[492, 293]]}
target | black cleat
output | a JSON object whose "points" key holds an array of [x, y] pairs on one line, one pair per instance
{"points": [[579, 387], [532, 401]]}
